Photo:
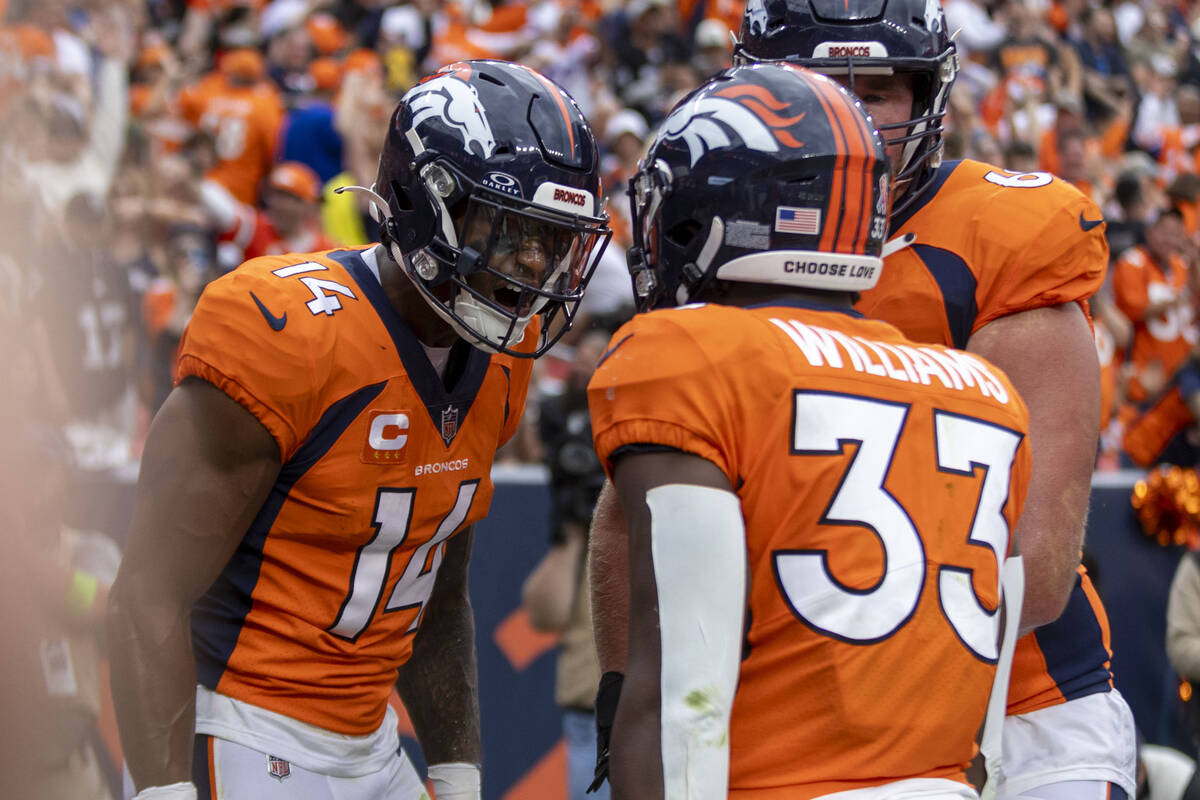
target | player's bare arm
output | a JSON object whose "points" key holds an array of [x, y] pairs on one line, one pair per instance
{"points": [[208, 466], [438, 684], [637, 768], [1050, 356], [608, 549]]}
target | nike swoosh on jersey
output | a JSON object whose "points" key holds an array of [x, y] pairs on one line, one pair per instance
{"points": [[275, 322], [1088, 224]]}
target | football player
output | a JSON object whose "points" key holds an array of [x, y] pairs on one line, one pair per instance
{"points": [[303, 518], [819, 508], [1000, 266]]}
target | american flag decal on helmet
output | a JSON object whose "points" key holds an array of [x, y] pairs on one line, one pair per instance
{"points": [[789, 219]]}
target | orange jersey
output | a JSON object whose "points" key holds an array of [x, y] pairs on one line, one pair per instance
{"points": [[856, 456], [992, 243], [381, 465], [1163, 341], [245, 123], [989, 243]]}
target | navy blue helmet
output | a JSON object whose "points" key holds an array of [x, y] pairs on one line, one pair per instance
{"points": [[767, 173], [490, 177], [867, 37]]}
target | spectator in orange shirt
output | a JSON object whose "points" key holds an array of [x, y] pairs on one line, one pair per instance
{"points": [[1150, 282], [1180, 151], [243, 112], [291, 219]]}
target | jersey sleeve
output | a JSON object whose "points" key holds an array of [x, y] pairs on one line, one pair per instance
{"points": [[656, 386], [1049, 244], [229, 344]]}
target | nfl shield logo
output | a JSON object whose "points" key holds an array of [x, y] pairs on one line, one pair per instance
{"points": [[449, 424], [278, 768]]}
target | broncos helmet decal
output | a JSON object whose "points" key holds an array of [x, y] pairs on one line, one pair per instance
{"points": [[455, 104], [756, 16], [720, 120]]}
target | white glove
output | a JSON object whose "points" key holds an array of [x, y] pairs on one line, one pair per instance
{"points": [[176, 791], [456, 781]]}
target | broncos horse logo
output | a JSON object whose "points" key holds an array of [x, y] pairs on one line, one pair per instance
{"points": [[756, 16], [454, 103], [749, 113]]}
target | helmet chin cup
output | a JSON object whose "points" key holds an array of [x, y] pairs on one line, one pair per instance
{"points": [[495, 329]]}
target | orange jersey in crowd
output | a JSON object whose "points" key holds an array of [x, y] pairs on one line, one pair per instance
{"points": [[1180, 151], [252, 235], [1110, 366], [245, 123], [854, 447], [1139, 281], [381, 465], [990, 243]]}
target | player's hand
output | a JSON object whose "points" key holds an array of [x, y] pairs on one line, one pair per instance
{"points": [[606, 711], [175, 791]]}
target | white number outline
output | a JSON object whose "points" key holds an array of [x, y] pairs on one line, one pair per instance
{"points": [[1019, 180], [373, 561], [955, 583], [989, 528], [827, 605], [321, 303]]}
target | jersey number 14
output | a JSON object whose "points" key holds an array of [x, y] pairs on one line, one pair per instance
{"points": [[373, 561]]}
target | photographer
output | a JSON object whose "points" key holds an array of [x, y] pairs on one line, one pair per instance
{"points": [[555, 594]]}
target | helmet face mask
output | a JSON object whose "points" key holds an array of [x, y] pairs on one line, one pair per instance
{"points": [[767, 174], [490, 178], [867, 37]]}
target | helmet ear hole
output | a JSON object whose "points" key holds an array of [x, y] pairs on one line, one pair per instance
{"points": [[683, 234], [403, 201]]}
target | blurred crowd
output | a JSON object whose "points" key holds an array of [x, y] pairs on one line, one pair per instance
{"points": [[151, 146]]}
